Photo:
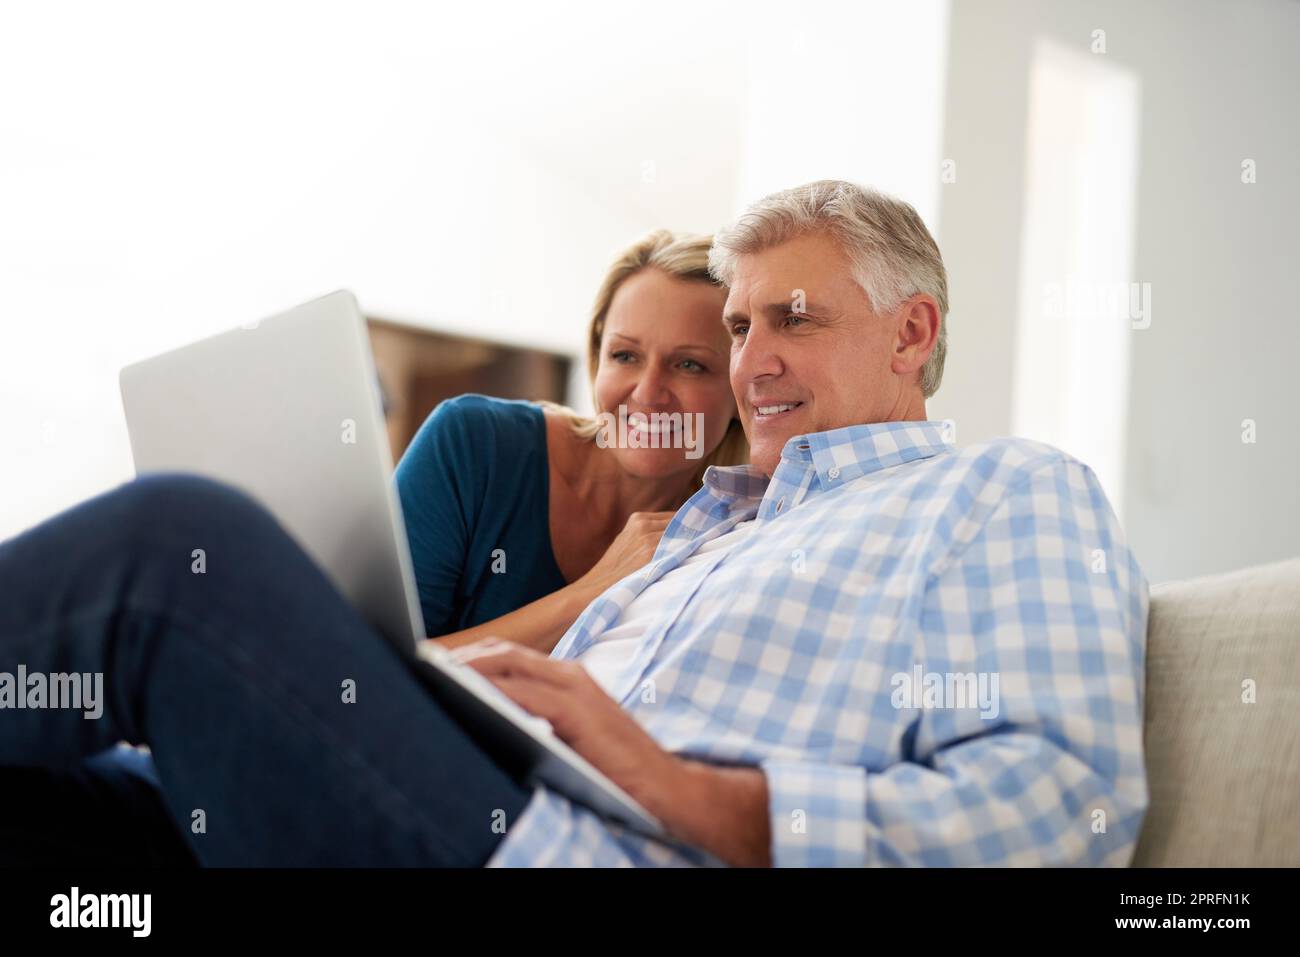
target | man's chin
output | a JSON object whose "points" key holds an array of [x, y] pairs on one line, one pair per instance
{"points": [[766, 458], [768, 439]]}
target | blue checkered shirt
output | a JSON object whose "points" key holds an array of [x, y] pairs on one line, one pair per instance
{"points": [[935, 655]]}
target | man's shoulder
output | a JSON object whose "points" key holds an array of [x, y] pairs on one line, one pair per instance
{"points": [[1022, 479], [1009, 461], [968, 477], [1022, 473]]}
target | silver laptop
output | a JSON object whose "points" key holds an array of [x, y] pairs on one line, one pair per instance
{"points": [[289, 410]]}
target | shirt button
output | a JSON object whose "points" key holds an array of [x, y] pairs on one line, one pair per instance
{"points": [[779, 504], [834, 471]]}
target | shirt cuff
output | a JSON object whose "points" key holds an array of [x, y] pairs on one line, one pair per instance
{"points": [[817, 814]]}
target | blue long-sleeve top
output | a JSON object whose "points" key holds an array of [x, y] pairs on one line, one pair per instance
{"points": [[475, 490]]}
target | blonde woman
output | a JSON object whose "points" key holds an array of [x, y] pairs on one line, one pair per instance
{"points": [[519, 514]]}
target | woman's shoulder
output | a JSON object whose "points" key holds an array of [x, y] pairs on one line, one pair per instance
{"points": [[475, 448], [470, 432], [474, 409], [481, 423]]}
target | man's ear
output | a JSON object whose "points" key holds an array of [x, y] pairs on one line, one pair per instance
{"points": [[916, 325]]}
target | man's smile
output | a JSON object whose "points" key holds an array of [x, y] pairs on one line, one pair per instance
{"points": [[772, 411]]}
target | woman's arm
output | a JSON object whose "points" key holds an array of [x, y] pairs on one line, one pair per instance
{"points": [[541, 624], [538, 625]]}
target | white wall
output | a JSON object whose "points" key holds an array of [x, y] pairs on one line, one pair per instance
{"points": [[1217, 86], [167, 172], [845, 91]]}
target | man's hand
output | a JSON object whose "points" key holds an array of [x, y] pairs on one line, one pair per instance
{"points": [[582, 714], [723, 810]]}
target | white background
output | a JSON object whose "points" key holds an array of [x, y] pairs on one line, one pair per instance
{"points": [[171, 170]]}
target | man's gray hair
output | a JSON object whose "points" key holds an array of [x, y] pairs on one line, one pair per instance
{"points": [[893, 255]]}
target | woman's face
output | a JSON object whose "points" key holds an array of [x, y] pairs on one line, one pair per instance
{"points": [[664, 351]]}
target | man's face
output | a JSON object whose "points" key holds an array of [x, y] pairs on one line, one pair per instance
{"points": [[807, 352]]}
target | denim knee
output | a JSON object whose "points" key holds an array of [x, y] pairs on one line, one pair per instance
{"points": [[177, 500], [160, 513]]}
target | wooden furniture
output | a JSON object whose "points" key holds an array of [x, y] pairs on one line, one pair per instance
{"points": [[419, 367]]}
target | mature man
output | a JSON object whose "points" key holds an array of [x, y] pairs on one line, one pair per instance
{"points": [[806, 620], [868, 647]]}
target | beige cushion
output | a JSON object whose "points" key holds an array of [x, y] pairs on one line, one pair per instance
{"points": [[1224, 775]]}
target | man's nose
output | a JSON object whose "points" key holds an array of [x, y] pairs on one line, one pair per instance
{"points": [[758, 357]]}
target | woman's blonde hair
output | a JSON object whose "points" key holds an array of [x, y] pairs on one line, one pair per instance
{"points": [[682, 256]]}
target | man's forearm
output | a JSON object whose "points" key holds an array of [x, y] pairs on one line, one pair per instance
{"points": [[723, 810]]}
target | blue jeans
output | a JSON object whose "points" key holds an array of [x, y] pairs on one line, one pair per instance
{"points": [[236, 675]]}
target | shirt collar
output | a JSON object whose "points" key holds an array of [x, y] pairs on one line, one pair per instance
{"points": [[841, 455], [837, 456]]}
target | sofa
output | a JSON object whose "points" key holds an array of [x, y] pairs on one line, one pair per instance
{"points": [[1223, 770]]}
